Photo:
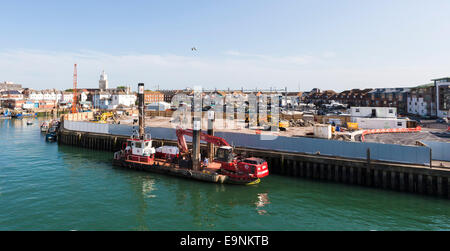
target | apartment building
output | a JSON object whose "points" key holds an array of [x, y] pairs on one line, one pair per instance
{"points": [[354, 97], [390, 97], [442, 86], [422, 101]]}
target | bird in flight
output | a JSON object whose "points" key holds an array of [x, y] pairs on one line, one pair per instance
{"points": [[194, 49]]}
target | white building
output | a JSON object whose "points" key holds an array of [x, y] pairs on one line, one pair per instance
{"points": [[59, 96], [377, 118], [442, 97], [83, 97], [103, 82], [373, 112], [380, 123], [106, 100], [49, 95], [101, 100], [67, 97], [158, 106], [123, 99], [36, 95]]}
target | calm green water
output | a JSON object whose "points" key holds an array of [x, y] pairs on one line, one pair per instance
{"points": [[44, 186]]}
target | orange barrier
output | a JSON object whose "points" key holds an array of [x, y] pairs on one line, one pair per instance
{"points": [[391, 130]]}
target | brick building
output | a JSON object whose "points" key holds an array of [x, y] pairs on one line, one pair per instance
{"points": [[153, 96], [390, 97], [354, 97], [316, 96]]}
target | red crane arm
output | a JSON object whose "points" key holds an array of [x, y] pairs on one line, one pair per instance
{"points": [[203, 137], [181, 141]]}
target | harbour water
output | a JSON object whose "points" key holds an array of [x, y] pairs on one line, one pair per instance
{"points": [[44, 186]]}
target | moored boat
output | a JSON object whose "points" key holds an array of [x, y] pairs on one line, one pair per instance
{"points": [[44, 126], [5, 114], [226, 167], [51, 134]]}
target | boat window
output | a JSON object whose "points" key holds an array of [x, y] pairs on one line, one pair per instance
{"points": [[138, 145], [254, 161]]}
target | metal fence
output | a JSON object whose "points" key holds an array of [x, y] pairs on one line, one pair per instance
{"points": [[440, 150], [383, 152]]}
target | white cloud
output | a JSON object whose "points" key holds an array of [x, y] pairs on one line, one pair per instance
{"points": [[42, 69], [269, 59]]}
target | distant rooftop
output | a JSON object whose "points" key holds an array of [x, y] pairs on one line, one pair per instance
{"points": [[424, 86], [390, 90], [439, 79]]}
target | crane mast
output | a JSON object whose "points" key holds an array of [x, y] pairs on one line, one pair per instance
{"points": [[75, 94]]}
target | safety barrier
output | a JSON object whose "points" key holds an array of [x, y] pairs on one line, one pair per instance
{"points": [[391, 130]]}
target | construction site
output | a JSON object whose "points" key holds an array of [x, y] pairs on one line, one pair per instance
{"points": [[298, 125], [297, 144]]}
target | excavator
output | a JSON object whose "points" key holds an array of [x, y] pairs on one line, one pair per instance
{"points": [[103, 117], [235, 167]]}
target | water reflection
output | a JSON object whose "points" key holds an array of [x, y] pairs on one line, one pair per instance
{"points": [[148, 186], [263, 200]]}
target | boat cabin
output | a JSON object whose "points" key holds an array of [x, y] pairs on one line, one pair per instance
{"points": [[141, 147], [225, 154]]}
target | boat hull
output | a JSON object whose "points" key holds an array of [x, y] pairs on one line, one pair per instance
{"points": [[50, 137], [173, 169]]}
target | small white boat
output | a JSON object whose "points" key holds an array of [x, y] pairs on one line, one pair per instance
{"points": [[44, 127]]}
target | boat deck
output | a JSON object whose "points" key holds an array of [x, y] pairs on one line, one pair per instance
{"points": [[213, 167]]}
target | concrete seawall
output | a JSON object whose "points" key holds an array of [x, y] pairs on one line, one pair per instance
{"points": [[417, 179]]}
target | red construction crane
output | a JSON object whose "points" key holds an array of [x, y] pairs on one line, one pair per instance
{"points": [[75, 94], [231, 165], [182, 145]]}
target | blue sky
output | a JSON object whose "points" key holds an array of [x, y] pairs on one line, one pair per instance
{"points": [[253, 43]]}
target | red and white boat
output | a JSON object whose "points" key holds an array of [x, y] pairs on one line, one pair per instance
{"points": [[226, 167]]}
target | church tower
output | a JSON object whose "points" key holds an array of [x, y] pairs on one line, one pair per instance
{"points": [[103, 83]]}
